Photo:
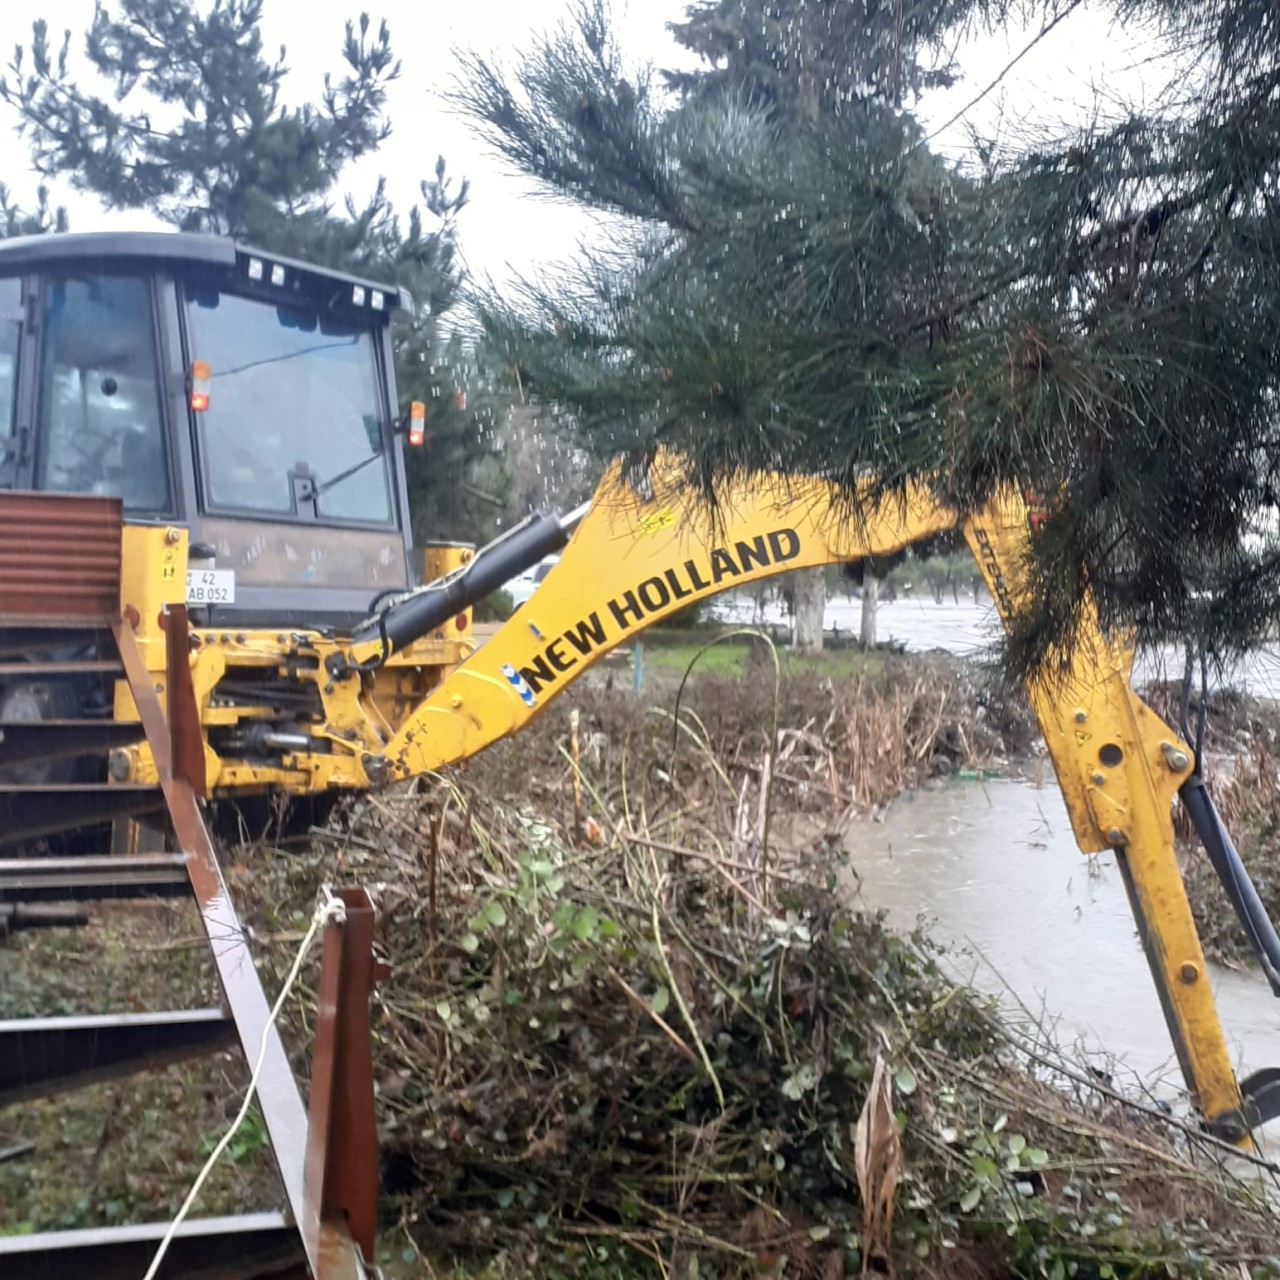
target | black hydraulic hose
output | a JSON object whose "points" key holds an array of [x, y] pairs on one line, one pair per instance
{"points": [[1235, 878], [420, 612]]}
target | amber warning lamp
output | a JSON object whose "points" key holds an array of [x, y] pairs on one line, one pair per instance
{"points": [[199, 385], [417, 423]]}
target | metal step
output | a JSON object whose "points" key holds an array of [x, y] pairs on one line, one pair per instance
{"points": [[74, 667], [153, 875], [26, 638], [43, 1056], [16, 917], [38, 741], [27, 812], [247, 1246]]}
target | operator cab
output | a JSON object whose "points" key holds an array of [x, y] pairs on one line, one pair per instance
{"points": [[243, 395]]}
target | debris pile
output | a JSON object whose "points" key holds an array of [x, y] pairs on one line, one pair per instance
{"points": [[620, 1028]]}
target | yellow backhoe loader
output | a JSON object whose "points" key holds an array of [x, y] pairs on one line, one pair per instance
{"points": [[208, 588]]}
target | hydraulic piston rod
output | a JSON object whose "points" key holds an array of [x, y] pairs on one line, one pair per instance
{"points": [[417, 614]]}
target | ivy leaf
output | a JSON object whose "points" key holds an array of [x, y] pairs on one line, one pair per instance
{"points": [[585, 924], [661, 998], [969, 1201], [797, 1085], [496, 914], [905, 1079]]}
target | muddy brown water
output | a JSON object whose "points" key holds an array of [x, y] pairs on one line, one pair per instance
{"points": [[993, 870]]}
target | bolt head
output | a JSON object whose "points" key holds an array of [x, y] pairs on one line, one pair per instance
{"points": [[1098, 779], [1189, 972], [1115, 835], [1081, 717]]}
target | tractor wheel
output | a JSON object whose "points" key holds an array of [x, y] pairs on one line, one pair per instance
{"points": [[29, 701]]}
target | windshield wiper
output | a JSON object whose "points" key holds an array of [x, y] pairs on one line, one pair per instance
{"points": [[323, 488]]}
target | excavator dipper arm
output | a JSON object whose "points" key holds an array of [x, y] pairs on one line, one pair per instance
{"points": [[634, 560]]}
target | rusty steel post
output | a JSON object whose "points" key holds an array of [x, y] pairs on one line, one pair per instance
{"points": [[341, 1167], [186, 738]]}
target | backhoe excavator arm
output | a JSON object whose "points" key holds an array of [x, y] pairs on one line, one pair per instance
{"points": [[634, 560]]}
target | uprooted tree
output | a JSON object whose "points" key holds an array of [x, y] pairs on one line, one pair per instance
{"points": [[1094, 318], [195, 131]]}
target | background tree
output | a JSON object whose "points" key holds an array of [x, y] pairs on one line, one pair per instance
{"points": [[195, 130], [796, 63], [778, 74], [1094, 317], [39, 221]]}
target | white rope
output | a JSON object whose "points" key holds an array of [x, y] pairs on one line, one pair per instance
{"points": [[330, 909]]}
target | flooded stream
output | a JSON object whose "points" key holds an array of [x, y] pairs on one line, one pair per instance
{"points": [[969, 628], [993, 870]]}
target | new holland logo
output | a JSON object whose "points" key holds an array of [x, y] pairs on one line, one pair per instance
{"points": [[519, 684], [744, 558]]}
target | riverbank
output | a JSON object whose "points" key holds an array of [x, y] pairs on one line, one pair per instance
{"points": [[642, 1034], [634, 1027]]}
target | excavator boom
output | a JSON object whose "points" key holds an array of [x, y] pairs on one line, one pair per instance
{"points": [[634, 559]]}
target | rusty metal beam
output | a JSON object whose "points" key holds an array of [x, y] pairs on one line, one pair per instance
{"points": [[185, 733], [17, 916], [43, 1056], [330, 1255], [342, 1137], [252, 1246], [58, 667], [152, 875]]}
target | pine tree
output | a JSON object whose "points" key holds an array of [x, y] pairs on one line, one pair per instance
{"points": [[1094, 318], [796, 63], [196, 132], [40, 221]]}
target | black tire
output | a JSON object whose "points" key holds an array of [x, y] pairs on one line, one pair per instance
{"points": [[28, 701]]}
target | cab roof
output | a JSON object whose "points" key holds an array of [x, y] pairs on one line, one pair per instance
{"points": [[21, 253]]}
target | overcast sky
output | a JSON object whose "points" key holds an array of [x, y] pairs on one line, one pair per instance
{"points": [[504, 229]]}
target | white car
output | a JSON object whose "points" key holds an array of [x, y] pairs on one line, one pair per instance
{"points": [[522, 587]]}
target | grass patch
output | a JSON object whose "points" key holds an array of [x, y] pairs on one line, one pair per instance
{"points": [[672, 654]]}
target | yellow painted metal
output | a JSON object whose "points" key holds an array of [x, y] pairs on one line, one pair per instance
{"points": [[1119, 767], [440, 558], [632, 562], [153, 574]]}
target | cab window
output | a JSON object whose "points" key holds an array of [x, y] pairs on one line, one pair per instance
{"points": [[101, 420], [10, 332], [293, 425]]}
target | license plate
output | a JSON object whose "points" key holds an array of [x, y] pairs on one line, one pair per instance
{"points": [[211, 586]]}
